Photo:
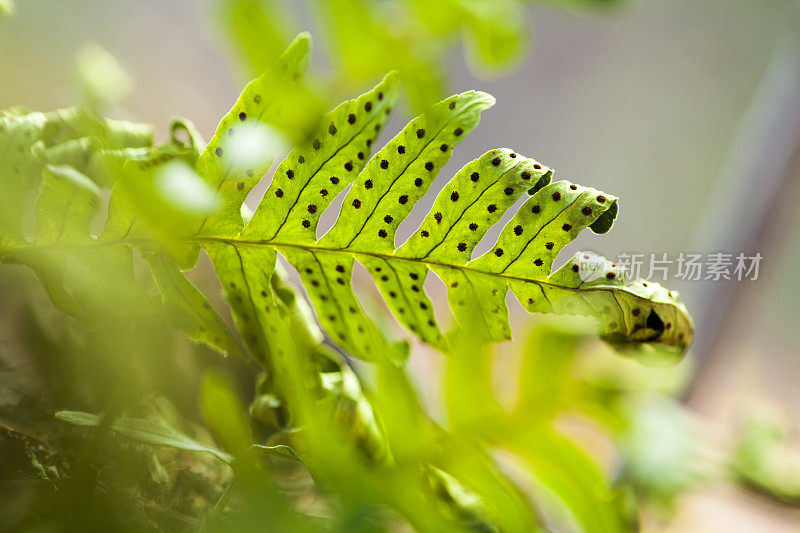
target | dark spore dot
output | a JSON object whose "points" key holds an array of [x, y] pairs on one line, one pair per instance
{"points": [[290, 174], [392, 294], [351, 118], [316, 144], [368, 106], [457, 132], [384, 164], [249, 172], [369, 143], [509, 191], [401, 149], [279, 193], [306, 224], [332, 129], [530, 300], [573, 187], [332, 318], [378, 269], [428, 166], [536, 209], [352, 309], [380, 96], [340, 268], [454, 196], [586, 210], [452, 105], [654, 321], [257, 98], [263, 294], [382, 233], [611, 275], [424, 233], [601, 199], [498, 252], [443, 148], [636, 311], [537, 166], [309, 271], [348, 166], [240, 185], [356, 203], [323, 192], [454, 284], [667, 325], [575, 267], [415, 288], [438, 217], [301, 159], [644, 284], [473, 226], [361, 155], [431, 323], [496, 161], [492, 208], [420, 133], [334, 180], [566, 227], [518, 230], [423, 306], [549, 245], [462, 247], [538, 262], [218, 151], [418, 182], [403, 199], [556, 196], [525, 175], [242, 116], [340, 281], [384, 278], [474, 176], [413, 275], [388, 219], [377, 127], [368, 184]]}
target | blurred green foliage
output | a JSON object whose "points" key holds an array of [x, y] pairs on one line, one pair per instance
{"points": [[293, 434], [367, 38]]}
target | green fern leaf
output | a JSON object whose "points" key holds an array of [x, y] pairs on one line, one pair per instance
{"points": [[383, 194]]}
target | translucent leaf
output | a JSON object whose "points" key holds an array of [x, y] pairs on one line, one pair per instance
{"points": [[386, 188], [258, 29], [495, 31], [67, 202], [143, 430], [189, 308], [102, 79], [245, 142]]}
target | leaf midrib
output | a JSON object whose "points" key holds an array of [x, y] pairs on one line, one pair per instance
{"points": [[391, 257], [8, 255]]}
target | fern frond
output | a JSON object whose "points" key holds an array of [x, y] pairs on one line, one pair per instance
{"points": [[382, 195]]}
